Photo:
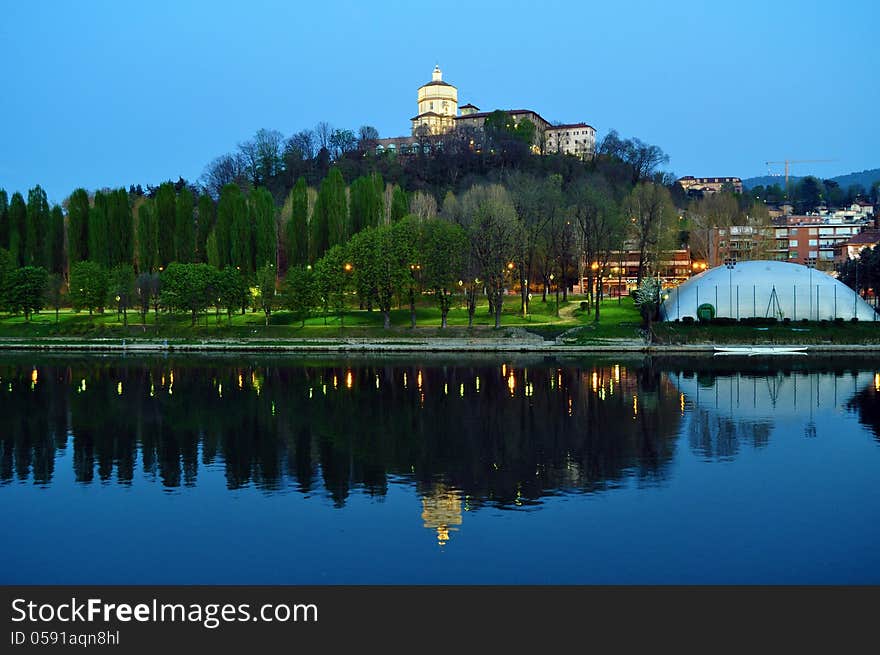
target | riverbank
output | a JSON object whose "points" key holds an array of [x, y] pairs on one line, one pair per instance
{"points": [[412, 345]]}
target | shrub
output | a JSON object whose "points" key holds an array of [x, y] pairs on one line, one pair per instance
{"points": [[854, 319], [838, 321], [805, 320], [786, 321], [688, 320], [584, 306]]}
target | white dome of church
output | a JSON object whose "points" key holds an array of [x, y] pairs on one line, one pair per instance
{"points": [[767, 289]]}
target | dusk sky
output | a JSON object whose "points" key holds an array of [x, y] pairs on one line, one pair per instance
{"points": [[112, 93]]}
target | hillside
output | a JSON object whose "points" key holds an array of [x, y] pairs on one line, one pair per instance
{"points": [[865, 178]]}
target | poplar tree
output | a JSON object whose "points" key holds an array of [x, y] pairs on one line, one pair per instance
{"points": [[166, 216], [120, 234], [17, 228], [78, 227], [184, 232], [97, 230], [36, 242], [231, 201], [399, 205], [297, 227], [148, 237], [4, 219], [204, 225], [330, 217], [241, 237], [262, 209], [56, 241], [367, 203]]}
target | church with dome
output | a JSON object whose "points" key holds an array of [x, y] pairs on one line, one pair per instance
{"points": [[439, 113]]}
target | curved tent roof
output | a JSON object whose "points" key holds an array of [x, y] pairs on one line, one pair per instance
{"points": [[765, 288]]}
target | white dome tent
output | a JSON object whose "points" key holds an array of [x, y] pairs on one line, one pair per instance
{"points": [[766, 289]]}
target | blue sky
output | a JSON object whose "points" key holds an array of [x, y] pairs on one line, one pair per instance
{"points": [[113, 93]]}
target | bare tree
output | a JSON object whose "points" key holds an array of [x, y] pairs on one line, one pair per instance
{"points": [[303, 143], [367, 138], [423, 205], [225, 169], [322, 131], [653, 221], [263, 155]]}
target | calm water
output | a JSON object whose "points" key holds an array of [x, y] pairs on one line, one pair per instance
{"points": [[247, 470]]}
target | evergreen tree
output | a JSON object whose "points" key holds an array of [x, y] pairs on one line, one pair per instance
{"points": [[212, 254], [56, 241], [120, 237], [262, 209], [78, 227], [17, 228], [4, 219], [241, 248], [231, 203], [7, 269], [330, 217], [166, 216], [297, 227], [367, 203], [399, 204], [36, 241], [148, 237], [184, 231], [99, 250], [205, 223]]}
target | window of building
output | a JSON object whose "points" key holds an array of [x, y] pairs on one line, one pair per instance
{"points": [[793, 230], [812, 243], [792, 243]]}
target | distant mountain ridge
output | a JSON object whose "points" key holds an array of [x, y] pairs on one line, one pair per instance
{"points": [[865, 178]]}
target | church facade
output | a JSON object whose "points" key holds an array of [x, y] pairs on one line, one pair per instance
{"points": [[439, 114]]}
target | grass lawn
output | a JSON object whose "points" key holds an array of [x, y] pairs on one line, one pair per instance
{"points": [[541, 320]]}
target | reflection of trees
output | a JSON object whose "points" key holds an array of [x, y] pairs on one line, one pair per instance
{"points": [[866, 403], [494, 434]]}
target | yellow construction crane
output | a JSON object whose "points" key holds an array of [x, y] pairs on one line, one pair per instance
{"points": [[795, 161]]}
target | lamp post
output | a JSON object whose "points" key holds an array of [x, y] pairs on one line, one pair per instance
{"points": [[730, 264], [810, 263]]}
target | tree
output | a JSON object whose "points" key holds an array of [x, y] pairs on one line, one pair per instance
{"points": [[88, 286], [330, 215], [29, 284], [443, 250], [299, 292], [241, 250], [7, 272], [148, 237], [367, 138], [232, 203], [36, 243], [99, 238], [342, 142], [120, 229], [367, 208], [55, 292], [207, 216], [266, 287], [184, 228], [537, 201], [121, 289], [303, 144], [380, 267], [4, 220], [654, 221], [399, 205], [496, 237], [712, 211], [262, 155], [144, 288], [333, 278], [226, 169], [601, 230], [298, 225], [188, 287], [17, 227], [262, 208], [56, 240], [77, 227], [166, 217], [647, 299], [231, 290]]}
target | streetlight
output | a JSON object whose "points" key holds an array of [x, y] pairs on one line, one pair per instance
{"points": [[730, 264], [810, 263]]}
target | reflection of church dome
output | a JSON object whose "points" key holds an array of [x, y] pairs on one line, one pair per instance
{"points": [[441, 510]]}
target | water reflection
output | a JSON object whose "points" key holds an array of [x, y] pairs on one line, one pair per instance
{"points": [[505, 434]]}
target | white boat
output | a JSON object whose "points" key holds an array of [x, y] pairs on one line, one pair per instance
{"points": [[751, 351]]}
